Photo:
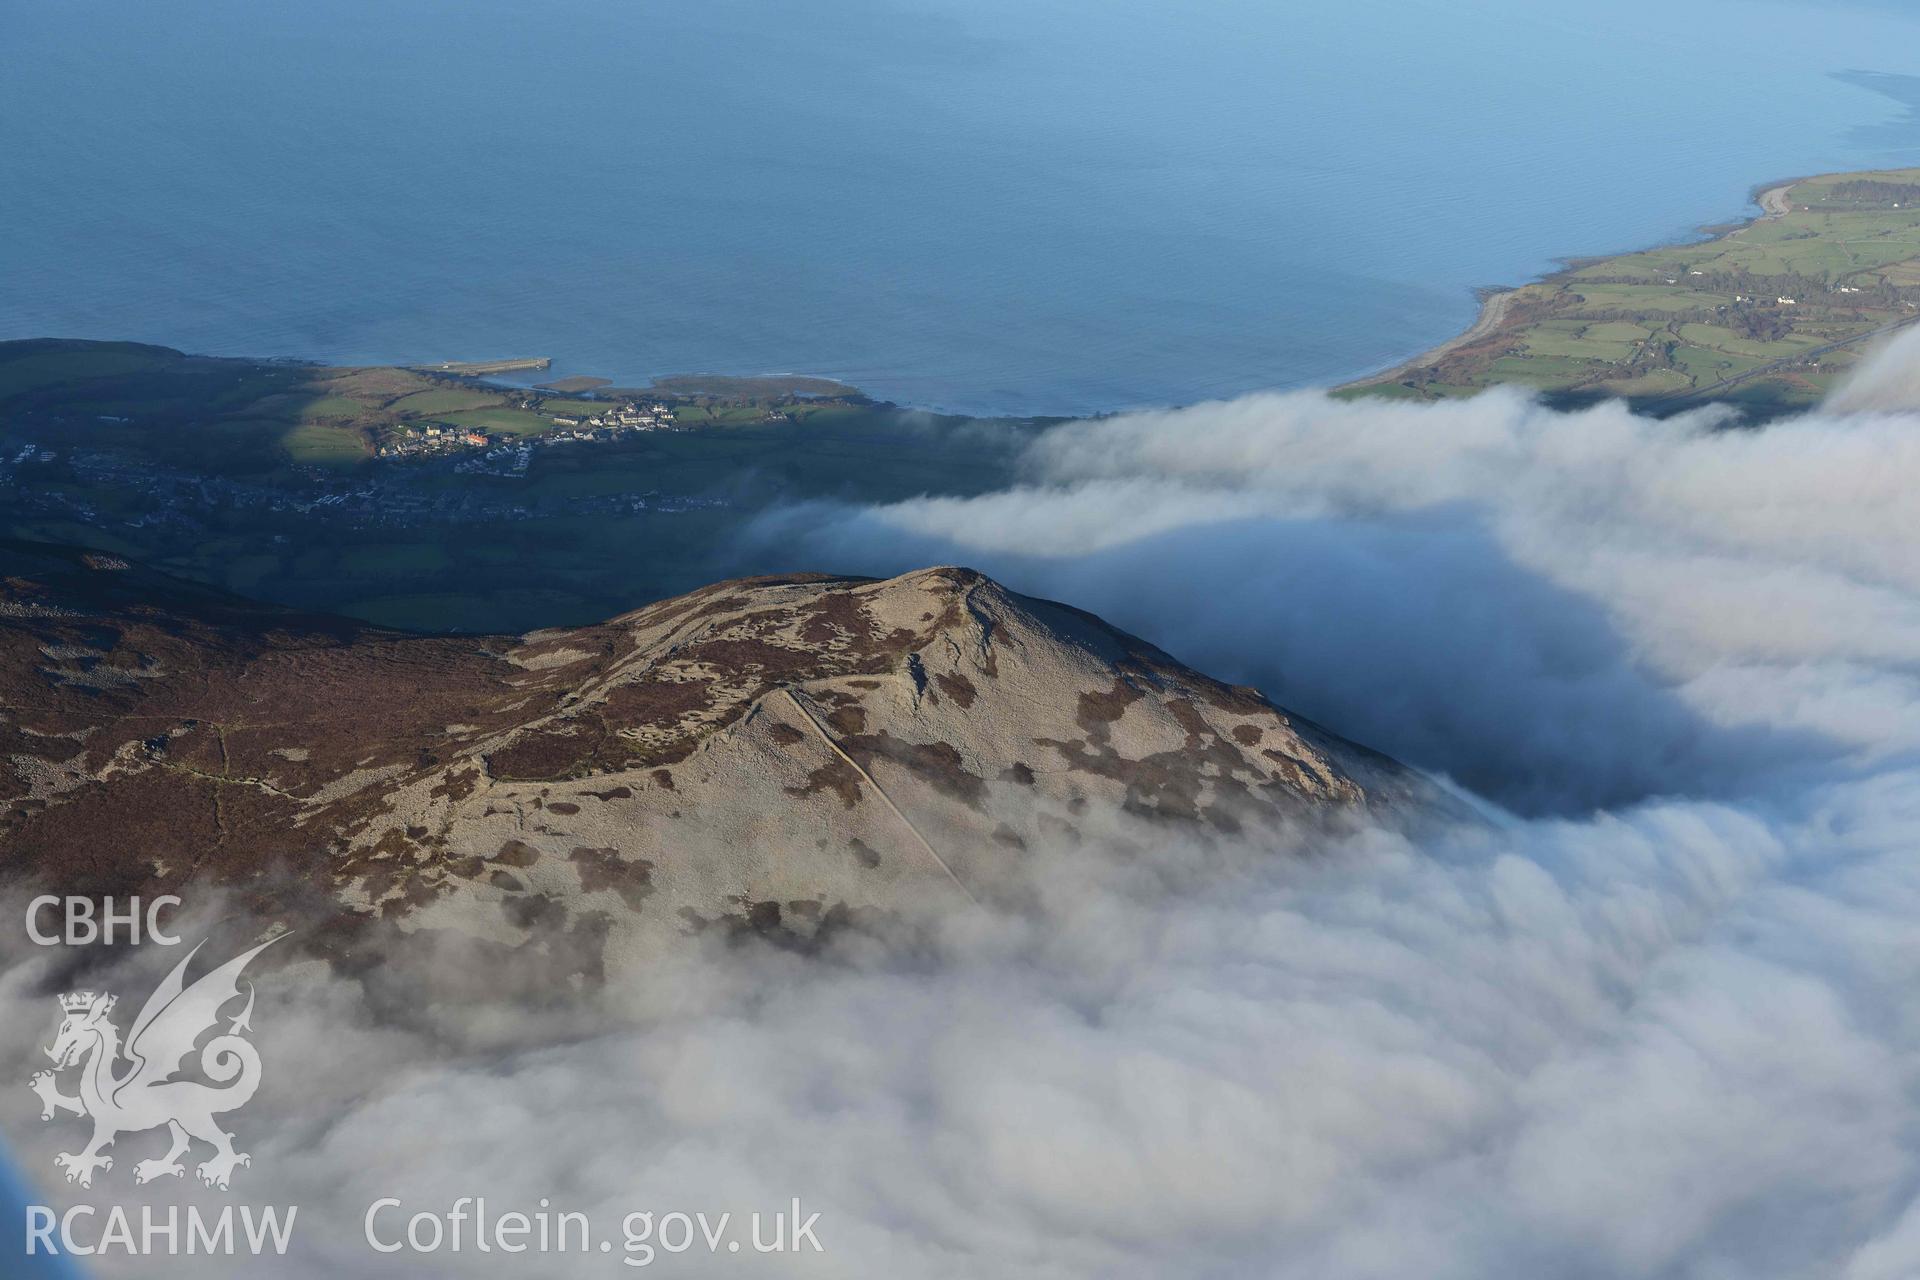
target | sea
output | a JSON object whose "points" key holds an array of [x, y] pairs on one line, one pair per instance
{"points": [[988, 206]]}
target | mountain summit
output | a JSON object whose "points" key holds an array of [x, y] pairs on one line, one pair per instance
{"points": [[770, 755]]}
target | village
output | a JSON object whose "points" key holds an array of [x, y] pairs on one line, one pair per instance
{"points": [[431, 439]]}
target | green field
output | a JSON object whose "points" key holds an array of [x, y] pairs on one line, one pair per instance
{"points": [[1747, 315], [573, 408], [501, 421], [324, 446], [333, 409], [437, 402]]}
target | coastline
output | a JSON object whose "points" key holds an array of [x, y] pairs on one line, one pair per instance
{"points": [[1495, 311], [1494, 304], [1772, 199], [1497, 300]]}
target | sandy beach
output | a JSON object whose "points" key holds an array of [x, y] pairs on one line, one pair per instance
{"points": [[1493, 313], [1493, 308]]}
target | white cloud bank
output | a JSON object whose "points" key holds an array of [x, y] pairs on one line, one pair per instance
{"points": [[1562, 609], [1889, 381], [1667, 1024]]}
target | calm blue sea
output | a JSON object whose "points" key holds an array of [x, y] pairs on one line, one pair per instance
{"points": [[1005, 205]]}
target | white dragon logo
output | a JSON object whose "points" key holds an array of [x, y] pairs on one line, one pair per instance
{"points": [[146, 1096]]}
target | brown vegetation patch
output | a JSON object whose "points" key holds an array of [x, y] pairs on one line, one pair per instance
{"points": [[804, 927], [1240, 699], [1308, 778], [457, 785], [414, 894], [938, 763], [534, 911], [1096, 711], [741, 655], [725, 604], [657, 702], [548, 754], [606, 869], [836, 776], [83, 843], [517, 853], [957, 687], [1156, 786], [1188, 717], [838, 616]]}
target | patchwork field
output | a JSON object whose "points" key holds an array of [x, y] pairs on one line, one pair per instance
{"points": [[1769, 314]]}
